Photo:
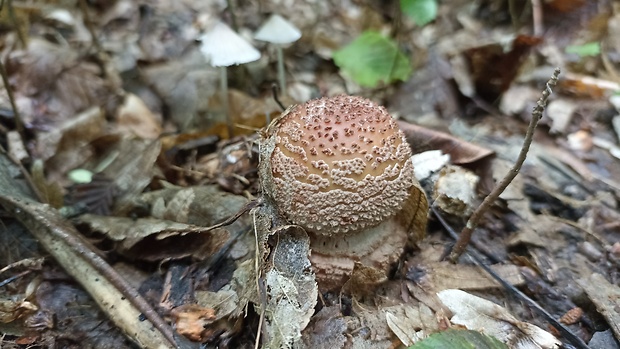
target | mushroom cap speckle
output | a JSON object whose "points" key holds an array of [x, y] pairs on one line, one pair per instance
{"points": [[338, 165]]}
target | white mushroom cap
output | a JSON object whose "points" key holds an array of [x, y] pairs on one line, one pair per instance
{"points": [[339, 165], [223, 47], [277, 30]]}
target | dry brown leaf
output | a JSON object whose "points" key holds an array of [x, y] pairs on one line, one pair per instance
{"points": [[192, 319], [291, 289], [131, 166], [477, 313], [209, 206], [461, 152], [326, 330], [66, 146], [154, 239], [411, 323], [134, 117], [455, 191], [54, 76], [605, 297], [445, 275]]}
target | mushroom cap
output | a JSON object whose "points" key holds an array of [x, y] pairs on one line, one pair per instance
{"points": [[223, 47], [338, 165], [277, 30]]}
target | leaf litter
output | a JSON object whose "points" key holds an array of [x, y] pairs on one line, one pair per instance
{"points": [[138, 108]]}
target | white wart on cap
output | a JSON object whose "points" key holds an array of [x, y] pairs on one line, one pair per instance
{"points": [[339, 165]]}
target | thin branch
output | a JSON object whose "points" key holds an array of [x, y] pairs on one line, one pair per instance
{"points": [[473, 221], [19, 123], [20, 34], [276, 98]]}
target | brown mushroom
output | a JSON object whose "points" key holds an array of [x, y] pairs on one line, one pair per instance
{"points": [[340, 168]]}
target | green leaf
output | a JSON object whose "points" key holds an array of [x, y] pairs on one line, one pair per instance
{"points": [[589, 49], [373, 58], [459, 339], [421, 12]]}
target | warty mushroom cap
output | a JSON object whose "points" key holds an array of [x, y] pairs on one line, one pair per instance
{"points": [[277, 30], [338, 165], [223, 47]]}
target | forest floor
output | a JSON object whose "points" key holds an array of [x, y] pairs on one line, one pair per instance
{"points": [[117, 161]]}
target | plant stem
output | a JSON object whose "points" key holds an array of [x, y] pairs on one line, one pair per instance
{"points": [[472, 223], [20, 34], [224, 92], [281, 74], [19, 123]]}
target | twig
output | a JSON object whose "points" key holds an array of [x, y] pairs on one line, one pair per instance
{"points": [[89, 25], [274, 93], [473, 221], [20, 35], [19, 123]]}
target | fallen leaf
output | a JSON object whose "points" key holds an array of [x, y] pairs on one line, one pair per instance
{"points": [[480, 314]]}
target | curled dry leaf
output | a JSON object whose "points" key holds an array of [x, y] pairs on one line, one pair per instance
{"points": [[14, 307], [572, 316], [290, 287], [192, 319], [131, 162], [66, 146], [455, 191], [605, 297], [134, 117], [154, 239], [201, 206], [411, 323], [461, 152]]}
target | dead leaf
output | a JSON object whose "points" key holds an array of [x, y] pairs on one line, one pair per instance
{"points": [[411, 323], [455, 191], [326, 329], [461, 152], [605, 297], [476, 313], [153, 239], [291, 290], [444, 275], [192, 319], [134, 117]]}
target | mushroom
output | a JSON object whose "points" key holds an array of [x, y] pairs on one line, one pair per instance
{"points": [[223, 47], [340, 168], [278, 31]]}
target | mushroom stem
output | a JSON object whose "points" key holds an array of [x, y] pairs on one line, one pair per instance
{"points": [[281, 75], [224, 92]]}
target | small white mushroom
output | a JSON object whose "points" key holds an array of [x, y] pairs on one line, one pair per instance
{"points": [[222, 47], [277, 30]]}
